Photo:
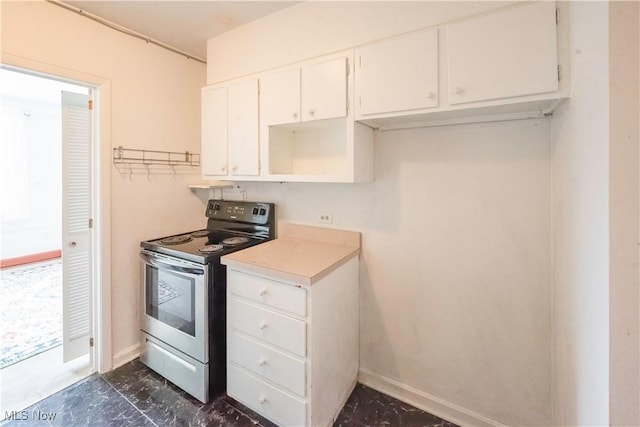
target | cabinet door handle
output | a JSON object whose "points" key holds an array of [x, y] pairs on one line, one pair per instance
{"points": [[262, 325], [262, 291], [72, 244], [235, 168], [431, 95], [458, 90], [262, 361], [262, 399], [295, 115], [224, 168]]}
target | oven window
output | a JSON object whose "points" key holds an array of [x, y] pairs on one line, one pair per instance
{"points": [[171, 299]]}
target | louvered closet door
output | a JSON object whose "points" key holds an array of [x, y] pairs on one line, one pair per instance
{"points": [[76, 213]]}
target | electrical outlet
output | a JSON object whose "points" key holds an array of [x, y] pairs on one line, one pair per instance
{"points": [[325, 218]]}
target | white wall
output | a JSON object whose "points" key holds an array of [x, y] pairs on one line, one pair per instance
{"points": [[455, 276], [580, 134], [624, 140], [31, 177], [155, 104], [317, 28], [31, 163]]}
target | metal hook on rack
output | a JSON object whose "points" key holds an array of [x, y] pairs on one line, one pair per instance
{"points": [[173, 171], [146, 166], [130, 172]]}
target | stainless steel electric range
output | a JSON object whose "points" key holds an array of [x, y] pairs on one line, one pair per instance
{"points": [[183, 331]]}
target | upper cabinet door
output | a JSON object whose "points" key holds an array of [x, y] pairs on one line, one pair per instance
{"points": [[243, 128], [214, 131], [504, 54], [280, 97], [398, 74], [324, 90]]}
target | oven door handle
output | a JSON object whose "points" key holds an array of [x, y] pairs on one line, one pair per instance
{"points": [[173, 267]]}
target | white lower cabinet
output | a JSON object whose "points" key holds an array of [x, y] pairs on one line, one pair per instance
{"points": [[292, 349]]}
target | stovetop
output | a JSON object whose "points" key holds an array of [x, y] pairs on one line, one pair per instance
{"points": [[192, 249], [231, 226]]}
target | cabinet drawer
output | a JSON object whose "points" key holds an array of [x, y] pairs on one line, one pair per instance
{"points": [[278, 295], [265, 399], [273, 365], [277, 329]]}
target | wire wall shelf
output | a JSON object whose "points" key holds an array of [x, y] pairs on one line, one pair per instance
{"points": [[133, 157]]}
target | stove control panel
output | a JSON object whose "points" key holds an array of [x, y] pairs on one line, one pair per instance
{"points": [[251, 212]]}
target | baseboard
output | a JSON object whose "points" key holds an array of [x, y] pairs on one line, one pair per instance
{"points": [[28, 259], [431, 404], [125, 356]]}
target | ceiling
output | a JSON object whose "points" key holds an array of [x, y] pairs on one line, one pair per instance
{"points": [[185, 25]]}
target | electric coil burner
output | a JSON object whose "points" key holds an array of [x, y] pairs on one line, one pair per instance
{"points": [[183, 330], [200, 233], [175, 240], [232, 241], [209, 249]]}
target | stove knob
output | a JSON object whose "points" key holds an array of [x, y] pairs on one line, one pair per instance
{"points": [[263, 211]]}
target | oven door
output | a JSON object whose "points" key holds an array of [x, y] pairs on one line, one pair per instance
{"points": [[175, 303]]}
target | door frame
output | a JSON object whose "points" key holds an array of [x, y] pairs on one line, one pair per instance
{"points": [[101, 157]]}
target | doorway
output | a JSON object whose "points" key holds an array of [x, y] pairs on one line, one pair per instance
{"points": [[37, 207]]}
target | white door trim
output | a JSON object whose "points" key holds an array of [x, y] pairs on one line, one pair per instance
{"points": [[101, 354]]}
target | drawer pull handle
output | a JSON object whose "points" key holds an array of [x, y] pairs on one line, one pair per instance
{"points": [[262, 362], [262, 325], [263, 291], [262, 400]]}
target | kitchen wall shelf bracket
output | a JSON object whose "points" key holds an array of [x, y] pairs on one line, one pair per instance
{"points": [[128, 156]]}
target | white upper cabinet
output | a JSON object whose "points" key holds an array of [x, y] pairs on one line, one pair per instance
{"points": [[324, 90], [505, 54], [307, 131], [280, 97], [312, 92], [230, 130], [497, 66], [214, 131], [398, 74], [243, 128]]}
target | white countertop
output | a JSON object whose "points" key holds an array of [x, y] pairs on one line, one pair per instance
{"points": [[302, 254]]}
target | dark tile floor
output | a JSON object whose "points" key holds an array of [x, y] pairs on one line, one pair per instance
{"points": [[133, 395]]}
